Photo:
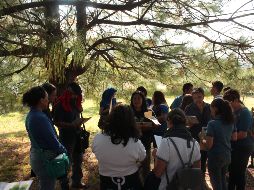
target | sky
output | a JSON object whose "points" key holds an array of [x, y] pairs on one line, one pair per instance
{"points": [[226, 28]]}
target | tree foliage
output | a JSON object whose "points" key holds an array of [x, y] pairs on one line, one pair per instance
{"points": [[120, 41]]}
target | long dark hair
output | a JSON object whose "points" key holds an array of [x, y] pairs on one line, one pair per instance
{"points": [[158, 98], [223, 110], [33, 96], [48, 87], [177, 117], [121, 125], [144, 106]]}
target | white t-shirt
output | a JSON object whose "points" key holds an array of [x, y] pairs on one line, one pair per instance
{"points": [[167, 152], [117, 160]]}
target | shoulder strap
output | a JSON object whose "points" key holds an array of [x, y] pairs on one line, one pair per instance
{"points": [[83, 125], [191, 154], [177, 151]]}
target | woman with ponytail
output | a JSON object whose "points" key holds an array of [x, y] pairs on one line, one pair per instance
{"points": [[217, 141], [42, 136], [243, 145]]}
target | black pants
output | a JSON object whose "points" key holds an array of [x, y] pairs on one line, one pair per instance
{"points": [[203, 160], [237, 169], [130, 182], [146, 140], [71, 142]]}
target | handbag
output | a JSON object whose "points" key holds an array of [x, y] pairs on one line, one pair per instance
{"points": [[186, 177], [84, 137], [103, 120], [56, 167]]}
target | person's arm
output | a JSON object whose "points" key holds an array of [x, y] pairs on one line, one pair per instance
{"points": [[161, 158], [241, 135], [44, 132], [59, 120], [61, 124], [245, 121], [141, 152], [75, 124], [160, 167], [208, 142]]}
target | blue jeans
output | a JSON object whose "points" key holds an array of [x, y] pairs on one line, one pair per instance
{"points": [[217, 167], [37, 164]]}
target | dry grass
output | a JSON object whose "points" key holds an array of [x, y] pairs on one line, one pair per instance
{"points": [[14, 146]]}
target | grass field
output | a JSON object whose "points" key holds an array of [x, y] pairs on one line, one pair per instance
{"points": [[14, 143]]}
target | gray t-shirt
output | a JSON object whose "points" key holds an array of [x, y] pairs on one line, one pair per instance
{"points": [[221, 134]]}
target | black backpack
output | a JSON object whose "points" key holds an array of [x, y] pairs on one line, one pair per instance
{"points": [[186, 177]]}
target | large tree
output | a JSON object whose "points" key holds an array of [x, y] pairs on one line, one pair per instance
{"points": [[71, 37]]}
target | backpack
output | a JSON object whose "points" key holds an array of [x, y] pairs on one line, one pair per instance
{"points": [[186, 177]]}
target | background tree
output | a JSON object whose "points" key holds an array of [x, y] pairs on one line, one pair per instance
{"points": [[120, 41]]}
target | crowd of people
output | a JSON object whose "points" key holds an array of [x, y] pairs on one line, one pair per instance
{"points": [[126, 146]]}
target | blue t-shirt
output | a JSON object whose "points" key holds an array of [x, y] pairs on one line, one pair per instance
{"points": [[40, 130], [148, 102], [243, 119], [159, 110], [221, 134], [177, 102], [243, 122]]}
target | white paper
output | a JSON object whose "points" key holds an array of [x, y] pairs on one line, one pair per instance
{"points": [[157, 140], [149, 116], [24, 185], [155, 120]]}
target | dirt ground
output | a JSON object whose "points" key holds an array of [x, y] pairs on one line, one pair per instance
{"points": [[14, 159], [91, 174]]}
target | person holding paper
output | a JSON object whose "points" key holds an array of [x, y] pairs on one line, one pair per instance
{"points": [[42, 136], [160, 109], [66, 117], [119, 151], [108, 102], [201, 110], [139, 107], [243, 145], [166, 157], [217, 140]]}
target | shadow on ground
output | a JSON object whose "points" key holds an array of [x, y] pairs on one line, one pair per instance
{"points": [[14, 159]]}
